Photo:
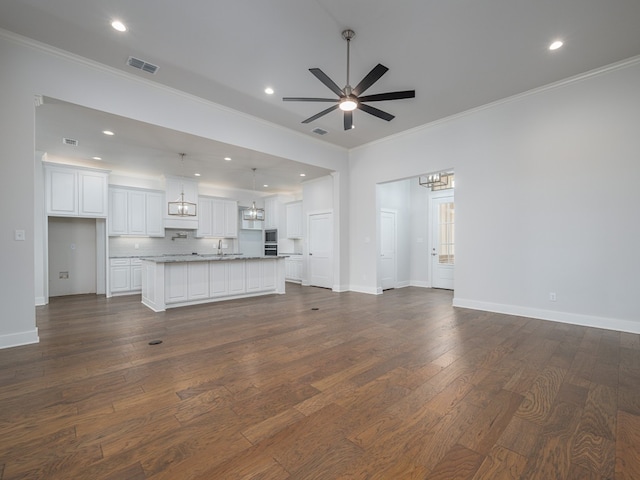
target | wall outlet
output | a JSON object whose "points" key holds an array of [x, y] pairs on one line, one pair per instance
{"points": [[552, 296], [136, 246]]}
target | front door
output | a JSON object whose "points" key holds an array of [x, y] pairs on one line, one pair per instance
{"points": [[442, 241], [321, 250]]}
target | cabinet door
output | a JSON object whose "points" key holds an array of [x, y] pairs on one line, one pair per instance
{"points": [[217, 213], [197, 280], [268, 274], [154, 221], [120, 278], [236, 277], [270, 213], [136, 213], [93, 195], [62, 191], [205, 222], [117, 211], [136, 277], [230, 219], [218, 278], [294, 220], [253, 275], [175, 286]]}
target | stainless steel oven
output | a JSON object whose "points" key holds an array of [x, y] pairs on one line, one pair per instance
{"points": [[270, 249]]}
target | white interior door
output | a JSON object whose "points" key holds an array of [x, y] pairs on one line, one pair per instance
{"points": [[442, 242], [388, 262], [321, 250]]}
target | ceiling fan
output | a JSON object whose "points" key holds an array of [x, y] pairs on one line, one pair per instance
{"points": [[351, 99]]}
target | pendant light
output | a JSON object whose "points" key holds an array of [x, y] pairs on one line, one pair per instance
{"points": [[253, 213], [182, 208]]}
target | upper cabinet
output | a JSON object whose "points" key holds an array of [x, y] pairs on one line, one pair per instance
{"points": [[175, 186], [218, 218], [76, 191], [135, 212], [294, 220], [274, 212]]}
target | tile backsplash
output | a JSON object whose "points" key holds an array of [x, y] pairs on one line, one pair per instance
{"points": [[152, 246]]}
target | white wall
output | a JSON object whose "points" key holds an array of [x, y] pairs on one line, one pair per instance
{"points": [[546, 199], [30, 69]]}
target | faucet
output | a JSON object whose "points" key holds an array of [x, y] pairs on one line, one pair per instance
{"points": [[220, 247]]}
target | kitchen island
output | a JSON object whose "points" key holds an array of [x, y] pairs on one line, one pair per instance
{"points": [[176, 281]]}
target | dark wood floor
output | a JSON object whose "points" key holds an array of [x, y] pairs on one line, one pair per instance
{"points": [[398, 386]]}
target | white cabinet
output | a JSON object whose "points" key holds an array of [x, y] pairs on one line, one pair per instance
{"points": [[260, 275], [197, 280], [136, 274], [226, 278], [119, 275], [173, 188], [175, 287], [154, 210], [135, 212], [271, 213], [218, 218], [125, 275], [76, 192], [293, 268], [294, 220]]}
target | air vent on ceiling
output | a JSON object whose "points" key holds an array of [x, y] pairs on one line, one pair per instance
{"points": [[70, 141], [319, 131], [142, 65]]}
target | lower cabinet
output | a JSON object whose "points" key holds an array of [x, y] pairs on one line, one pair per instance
{"points": [[125, 275], [260, 275], [293, 268]]}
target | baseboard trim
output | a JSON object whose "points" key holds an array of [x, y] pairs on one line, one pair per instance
{"points": [[361, 289], [40, 301], [18, 339], [551, 315]]}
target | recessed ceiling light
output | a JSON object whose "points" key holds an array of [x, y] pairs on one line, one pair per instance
{"points": [[269, 91], [555, 45], [196, 174], [228, 159], [119, 26], [265, 185], [303, 175], [108, 132], [96, 158]]}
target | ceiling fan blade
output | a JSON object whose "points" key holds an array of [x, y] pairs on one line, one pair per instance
{"points": [[379, 97], [320, 75], [376, 112], [305, 99], [372, 77], [318, 115], [348, 120]]}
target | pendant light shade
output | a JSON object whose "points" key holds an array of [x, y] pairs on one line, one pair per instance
{"points": [[180, 207], [253, 213]]}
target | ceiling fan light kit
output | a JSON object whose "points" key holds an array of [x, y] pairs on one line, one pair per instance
{"points": [[350, 99]]}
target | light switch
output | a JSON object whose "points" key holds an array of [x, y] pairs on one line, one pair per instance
{"points": [[20, 235]]}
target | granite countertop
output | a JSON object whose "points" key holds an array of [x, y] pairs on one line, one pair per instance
{"points": [[207, 258]]}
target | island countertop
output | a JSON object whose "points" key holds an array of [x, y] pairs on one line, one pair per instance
{"points": [[206, 257]]}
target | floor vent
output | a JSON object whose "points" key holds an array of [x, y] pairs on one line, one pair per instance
{"points": [[319, 131], [142, 65], [70, 141]]}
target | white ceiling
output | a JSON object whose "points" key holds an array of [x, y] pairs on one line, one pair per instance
{"points": [[456, 54]]}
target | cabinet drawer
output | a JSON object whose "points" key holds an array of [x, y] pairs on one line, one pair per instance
{"points": [[136, 261], [117, 262]]}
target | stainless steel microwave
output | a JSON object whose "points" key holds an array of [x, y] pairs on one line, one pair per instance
{"points": [[271, 236]]}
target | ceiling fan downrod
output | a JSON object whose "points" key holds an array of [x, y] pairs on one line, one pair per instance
{"points": [[348, 34]]}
